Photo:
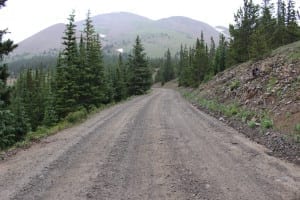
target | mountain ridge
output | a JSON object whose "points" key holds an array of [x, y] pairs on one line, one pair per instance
{"points": [[119, 29]]}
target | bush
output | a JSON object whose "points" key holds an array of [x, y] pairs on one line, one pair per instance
{"points": [[77, 116], [266, 123]]}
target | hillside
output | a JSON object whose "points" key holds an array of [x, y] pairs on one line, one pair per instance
{"points": [[118, 30], [267, 103]]}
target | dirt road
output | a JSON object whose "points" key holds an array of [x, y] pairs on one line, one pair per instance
{"points": [[155, 146]]}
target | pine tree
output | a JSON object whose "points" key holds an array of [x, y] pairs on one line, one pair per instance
{"points": [[293, 30], [120, 85], [245, 24], [200, 62], [140, 75], [180, 66], [7, 128], [220, 62], [211, 56], [280, 33], [266, 25], [185, 62], [67, 71], [93, 83], [50, 115], [168, 69]]}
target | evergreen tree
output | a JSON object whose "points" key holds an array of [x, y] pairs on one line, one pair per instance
{"points": [[7, 128], [221, 55], [67, 71], [200, 62], [168, 69], [93, 83], [293, 30], [21, 122], [180, 67], [280, 34], [140, 75], [120, 85], [211, 56], [266, 26], [245, 23], [50, 115], [185, 62]]}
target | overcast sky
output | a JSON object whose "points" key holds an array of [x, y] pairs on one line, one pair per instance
{"points": [[24, 18]]}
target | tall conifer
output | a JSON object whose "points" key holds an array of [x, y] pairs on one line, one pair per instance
{"points": [[140, 75]]}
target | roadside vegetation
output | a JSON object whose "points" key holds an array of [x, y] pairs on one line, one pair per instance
{"points": [[43, 101]]}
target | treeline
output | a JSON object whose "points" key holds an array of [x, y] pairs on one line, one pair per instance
{"points": [[46, 61], [193, 65], [80, 83], [259, 29], [256, 32]]}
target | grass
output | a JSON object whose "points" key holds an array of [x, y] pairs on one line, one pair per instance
{"points": [[234, 85], [297, 133], [266, 123], [232, 110], [251, 124]]}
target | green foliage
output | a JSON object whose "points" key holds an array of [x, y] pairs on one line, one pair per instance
{"points": [[195, 64], [120, 81], [252, 124], [7, 119], [219, 60], [76, 116], [254, 36], [7, 130], [297, 133], [266, 123], [140, 78], [234, 84], [245, 19], [30, 98], [245, 115], [168, 69], [231, 110], [44, 102], [297, 128]]}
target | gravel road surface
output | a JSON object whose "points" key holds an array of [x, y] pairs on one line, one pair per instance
{"points": [[155, 146]]}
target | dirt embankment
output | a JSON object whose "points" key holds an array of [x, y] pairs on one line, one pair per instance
{"points": [[268, 91], [156, 146]]}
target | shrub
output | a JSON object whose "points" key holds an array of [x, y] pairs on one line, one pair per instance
{"points": [[266, 123], [77, 116]]}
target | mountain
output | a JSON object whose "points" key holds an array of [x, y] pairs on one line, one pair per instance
{"points": [[45, 40], [119, 30]]}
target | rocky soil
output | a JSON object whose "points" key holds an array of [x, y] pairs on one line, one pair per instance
{"points": [[268, 87]]}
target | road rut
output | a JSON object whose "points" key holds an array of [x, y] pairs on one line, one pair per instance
{"points": [[155, 146]]}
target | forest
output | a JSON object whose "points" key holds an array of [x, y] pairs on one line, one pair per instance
{"points": [[82, 80]]}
